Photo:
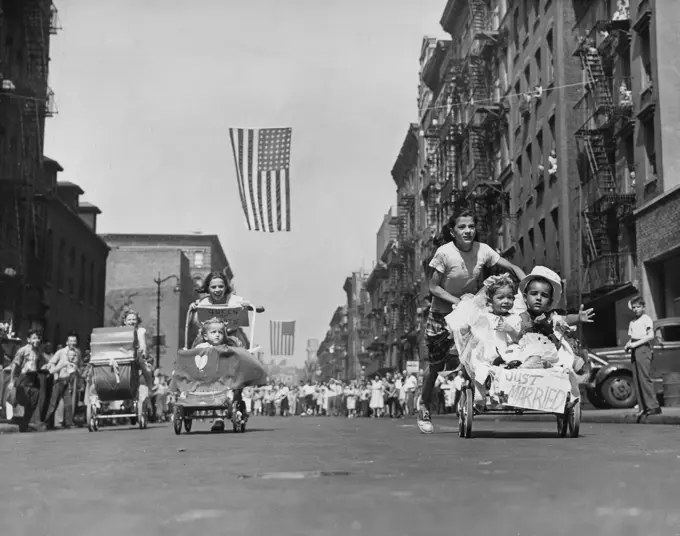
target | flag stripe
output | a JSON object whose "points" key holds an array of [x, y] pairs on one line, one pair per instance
{"points": [[269, 202], [287, 179], [238, 174], [278, 200], [260, 197], [251, 152]]}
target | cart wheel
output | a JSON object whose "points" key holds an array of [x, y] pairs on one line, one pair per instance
{"points": [[92, 424], [574, 420], [562, 425], [177, 421], [465, 412], [187, 425]]}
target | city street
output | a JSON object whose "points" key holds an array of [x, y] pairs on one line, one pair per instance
{"points": [[327, 476]]}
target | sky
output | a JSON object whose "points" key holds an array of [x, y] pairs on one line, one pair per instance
{"points": [[146, 92]]}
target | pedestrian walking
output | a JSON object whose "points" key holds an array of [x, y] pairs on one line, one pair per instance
{"points": [[641, 333], [27, 362]]}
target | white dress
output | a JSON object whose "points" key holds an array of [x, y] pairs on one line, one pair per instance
{"points": [[377, 398]]}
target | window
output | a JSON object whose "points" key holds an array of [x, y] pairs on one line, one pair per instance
{"points": [[551, 127], [543, 238], [90, 292], [555, 219], [198, 259], [71, 272], [538, 60], [61, 263], [550, 66], [49, 252], [515, 25], [532, 239], [668, 334], [527, 77], [650, 148], [82, 274]]}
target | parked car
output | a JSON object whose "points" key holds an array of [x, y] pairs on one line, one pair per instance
{"points": [[611, 376]]}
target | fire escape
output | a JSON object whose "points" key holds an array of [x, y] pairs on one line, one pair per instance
{"points": [[486, 117], [25, 102], [607, 201]]}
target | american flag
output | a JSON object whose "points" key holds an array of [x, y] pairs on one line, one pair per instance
{"points": [[282, 337], [262, 158]]}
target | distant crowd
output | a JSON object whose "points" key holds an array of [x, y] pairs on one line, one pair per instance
{"points": [[392, 395]]}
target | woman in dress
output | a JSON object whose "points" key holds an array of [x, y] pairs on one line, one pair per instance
{"points": [[456, 269], [377, 403]]}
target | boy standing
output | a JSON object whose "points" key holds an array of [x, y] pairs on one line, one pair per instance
{"points": [[641, 333], [24, 375]]}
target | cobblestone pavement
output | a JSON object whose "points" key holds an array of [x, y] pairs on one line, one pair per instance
{"points": [[319, 476]]}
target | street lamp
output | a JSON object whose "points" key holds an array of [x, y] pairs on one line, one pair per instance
{"points": [[159, 282]]}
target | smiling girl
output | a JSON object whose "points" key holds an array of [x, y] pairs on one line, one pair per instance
{"points": [[456, 270]]}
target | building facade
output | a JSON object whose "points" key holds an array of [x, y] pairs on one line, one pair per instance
{"points": [[26, 27], [628, 212], [141, 267], [73, 264], [332, 351], [655, 70], [205, 252]]}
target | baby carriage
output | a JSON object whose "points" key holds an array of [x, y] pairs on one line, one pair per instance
{"points": [[519, 390], [116, 363], [204, 379]]}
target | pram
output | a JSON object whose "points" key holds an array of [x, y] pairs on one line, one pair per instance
{"points": [[524, 391], [116, 363], [204, 379]]}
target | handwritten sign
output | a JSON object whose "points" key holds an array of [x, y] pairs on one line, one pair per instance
{"points": [[232, 316], [540, 389]]}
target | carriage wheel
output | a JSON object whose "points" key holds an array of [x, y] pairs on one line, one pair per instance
{"points": [[574, 420], [465, 412], [92, 424], [187, 425], [177, 421]]}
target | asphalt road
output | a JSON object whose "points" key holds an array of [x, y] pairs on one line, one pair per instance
{"points": [[377, 477]]}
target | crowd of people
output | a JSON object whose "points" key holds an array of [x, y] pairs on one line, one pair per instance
{"points": [[393, 395]]}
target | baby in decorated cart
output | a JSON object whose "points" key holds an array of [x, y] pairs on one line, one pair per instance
{"points": [[502, 329]]}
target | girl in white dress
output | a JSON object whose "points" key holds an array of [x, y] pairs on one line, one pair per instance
{"points": [[377, 403], [351, 393]]}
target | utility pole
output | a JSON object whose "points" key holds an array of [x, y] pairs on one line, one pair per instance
{"points": [[159, 282]]}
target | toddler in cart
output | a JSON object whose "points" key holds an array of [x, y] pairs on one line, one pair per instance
{"points": [[486, 328], [215, 334], [491, 332]]}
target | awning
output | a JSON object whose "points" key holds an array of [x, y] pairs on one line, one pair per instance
{"points": [[613, 295]]}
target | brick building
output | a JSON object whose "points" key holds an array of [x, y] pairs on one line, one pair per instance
{"points": [[26, 27], [205, 252], [655, 81], [182, 261], [74, 261], [130, 284], [628, 212]]}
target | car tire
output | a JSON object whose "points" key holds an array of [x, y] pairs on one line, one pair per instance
{"points": [[618, 391], [595, 400]]}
